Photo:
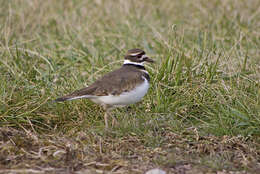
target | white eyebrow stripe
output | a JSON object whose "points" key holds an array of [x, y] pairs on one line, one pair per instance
{"points": [[134, 54]]}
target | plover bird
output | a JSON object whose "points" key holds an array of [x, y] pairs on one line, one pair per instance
{"points": [[121, 87]]}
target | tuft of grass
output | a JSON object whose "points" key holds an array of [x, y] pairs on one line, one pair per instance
{"points": [[202, 110]]}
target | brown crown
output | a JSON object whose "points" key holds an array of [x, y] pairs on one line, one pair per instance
{"points": [[135, 52]]}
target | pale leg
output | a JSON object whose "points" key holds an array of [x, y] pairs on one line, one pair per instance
{"points": [[105, 118], [107, 109]]}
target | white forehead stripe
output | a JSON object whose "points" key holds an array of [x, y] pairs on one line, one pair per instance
{"points": [[143, 56]]}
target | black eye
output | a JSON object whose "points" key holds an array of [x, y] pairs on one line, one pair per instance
{"points": [[139, 56]]}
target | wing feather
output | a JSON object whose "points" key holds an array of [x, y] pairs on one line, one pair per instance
{"points": [[113, 83]]}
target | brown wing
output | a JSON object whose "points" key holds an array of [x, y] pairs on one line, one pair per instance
{"points": [[114, 83]]}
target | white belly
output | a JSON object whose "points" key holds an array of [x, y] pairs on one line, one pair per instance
{"points": [[125, 98]]}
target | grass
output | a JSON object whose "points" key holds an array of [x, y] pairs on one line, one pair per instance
{"points": [[202, 112]]}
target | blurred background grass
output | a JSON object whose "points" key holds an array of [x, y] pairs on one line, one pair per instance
{"points": [[206, 75]]}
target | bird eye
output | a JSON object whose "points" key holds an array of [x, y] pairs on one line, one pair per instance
{"points": [[139, 56]]}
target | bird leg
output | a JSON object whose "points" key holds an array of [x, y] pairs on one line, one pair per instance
{"points": [[105, 118], [114, 121], [107, 109]]}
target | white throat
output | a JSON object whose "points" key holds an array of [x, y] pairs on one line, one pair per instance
{"points": [[134, 63]]}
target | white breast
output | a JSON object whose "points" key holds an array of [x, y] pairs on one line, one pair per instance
{"points": [[125, 98]]}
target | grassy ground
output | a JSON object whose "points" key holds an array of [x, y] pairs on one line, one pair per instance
{"points": [[201, 115]]}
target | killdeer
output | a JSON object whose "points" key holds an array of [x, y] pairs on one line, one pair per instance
{"points": [[124, 86]]}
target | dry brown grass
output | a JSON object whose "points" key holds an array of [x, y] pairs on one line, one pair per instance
{"points": [[89, 153]]}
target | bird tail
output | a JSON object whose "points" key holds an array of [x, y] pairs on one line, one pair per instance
{"points": [[69, 97], [62, 99]]}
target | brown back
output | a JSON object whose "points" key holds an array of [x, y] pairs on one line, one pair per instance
{"points": [[121, 80]]}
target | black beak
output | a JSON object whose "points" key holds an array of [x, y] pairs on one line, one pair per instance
{"points": [[147, 59]]}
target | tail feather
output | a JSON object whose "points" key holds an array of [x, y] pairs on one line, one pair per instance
{"points": [[61, 99], [66, 98]]}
